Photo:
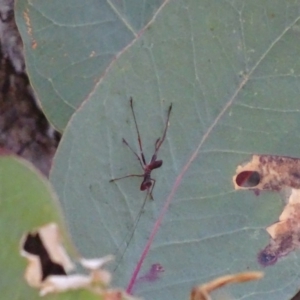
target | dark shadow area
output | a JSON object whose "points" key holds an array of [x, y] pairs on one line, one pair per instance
{"points": [[24, 130]]}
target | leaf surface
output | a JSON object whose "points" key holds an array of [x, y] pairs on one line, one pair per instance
{"points": [[70, 44], [27, 203], [231, 71]]}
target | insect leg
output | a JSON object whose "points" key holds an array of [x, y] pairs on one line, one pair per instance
{"points": [[130, 175], [131, 233], [151, 189]]}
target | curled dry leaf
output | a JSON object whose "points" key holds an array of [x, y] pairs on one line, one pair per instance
{"points": [[202, 292], [49, 264], [282, 174]]}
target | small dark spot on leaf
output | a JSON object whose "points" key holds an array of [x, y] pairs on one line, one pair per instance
{"points": [[265, 258], [153, 274], [262, 159], [256, 192]]}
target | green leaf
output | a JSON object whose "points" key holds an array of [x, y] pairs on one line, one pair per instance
{"points": [[231, 71], [27, 203], [69, 45]]}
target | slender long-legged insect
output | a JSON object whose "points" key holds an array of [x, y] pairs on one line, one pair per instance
{"points": [[148, 182]]}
